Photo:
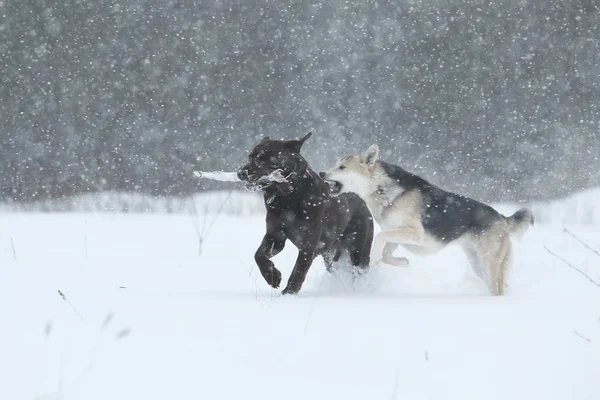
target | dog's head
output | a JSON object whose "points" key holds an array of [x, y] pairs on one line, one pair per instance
{"points": [[352, 173], [273, 163]]}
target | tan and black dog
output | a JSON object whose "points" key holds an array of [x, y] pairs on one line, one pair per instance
{"points": [[301, 209], [424, 218]]}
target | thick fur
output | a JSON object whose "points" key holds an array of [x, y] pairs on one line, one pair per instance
{"points": [[423, 218], [303, 211]]}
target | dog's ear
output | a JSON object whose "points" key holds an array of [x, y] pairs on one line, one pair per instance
{"points": [[370, 155], [303, 138], [296, 145]]}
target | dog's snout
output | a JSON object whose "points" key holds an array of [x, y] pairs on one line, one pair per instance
{"points": [[322, 174], [242, 174]]}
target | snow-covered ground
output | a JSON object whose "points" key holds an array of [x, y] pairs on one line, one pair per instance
{"points": [[145, 315]]}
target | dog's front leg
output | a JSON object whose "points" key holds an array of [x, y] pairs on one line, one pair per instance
{"points": [[389, 238], [271, 245], [389, 258], [306, 255], [307, 250]]}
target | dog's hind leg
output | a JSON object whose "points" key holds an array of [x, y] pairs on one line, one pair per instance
{"points": [[499, 261], [332, 256], [328, 260], [493, 251], [357, 240], [476, 264], [505, 263]]}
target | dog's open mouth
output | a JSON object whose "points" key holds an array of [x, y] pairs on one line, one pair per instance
{"points": [[335, 187]]}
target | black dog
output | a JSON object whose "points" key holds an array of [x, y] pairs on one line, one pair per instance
{"points": [[300, 208]]}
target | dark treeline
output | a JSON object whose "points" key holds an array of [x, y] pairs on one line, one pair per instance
{"points": [[496, 99]]}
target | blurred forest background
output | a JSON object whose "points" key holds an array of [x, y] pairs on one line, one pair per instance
{"points": [[499, 100]]}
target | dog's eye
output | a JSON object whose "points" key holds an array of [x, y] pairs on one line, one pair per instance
{"points": [[273, 166], [341, 167]]}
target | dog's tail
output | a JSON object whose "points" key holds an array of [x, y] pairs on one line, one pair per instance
{"points": [[519, 222]]}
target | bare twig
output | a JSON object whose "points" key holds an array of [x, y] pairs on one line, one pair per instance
{"points": [[85, 243], [583, 337], [123, 333], [48, 328], [565, 230], [194, 215], [395, 387], [219, 211], [12, 245], [97, 351], [61, 294], [202, 232], [312, 307], [257, 289], [572, 266], [107, 319]]}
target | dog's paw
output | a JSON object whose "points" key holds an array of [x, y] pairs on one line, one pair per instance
{"points": [[398, 261], [331, 269], [273, 277], [289, 290], [359, 271]]}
